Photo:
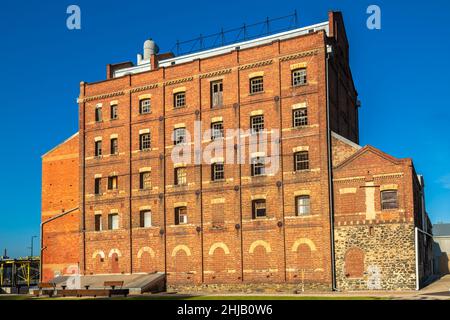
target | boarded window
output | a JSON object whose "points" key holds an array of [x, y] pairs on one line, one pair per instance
{"points": [[389, 200], [354, 263], [218, 212], [216, 94]]}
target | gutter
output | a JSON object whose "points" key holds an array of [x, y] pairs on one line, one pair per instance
{"points": [[329, 52], [42, 240]]}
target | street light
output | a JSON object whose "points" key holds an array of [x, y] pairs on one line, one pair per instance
{"points": [[31, 248]]}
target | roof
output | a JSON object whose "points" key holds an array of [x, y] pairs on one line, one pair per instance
{"points": [[441, 229], [226, 49], [54, 148]]}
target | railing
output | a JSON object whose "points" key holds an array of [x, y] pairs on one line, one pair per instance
{"points": [[244, 33]]}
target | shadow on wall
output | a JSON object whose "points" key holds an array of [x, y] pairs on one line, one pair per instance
{"points": [[441, 260]]}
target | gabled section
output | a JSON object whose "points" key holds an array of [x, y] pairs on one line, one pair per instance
{"points": [[370, 156]]}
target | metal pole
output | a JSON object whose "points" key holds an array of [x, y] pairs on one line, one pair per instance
{"points": [[32, 238]]}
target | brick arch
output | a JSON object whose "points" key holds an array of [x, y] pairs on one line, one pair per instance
{"points": [[218, 245], [181, 247], [354, 263], [116, 251], [98, 252], [306, 241], [145, 259], [145, 249], [258, 243]]}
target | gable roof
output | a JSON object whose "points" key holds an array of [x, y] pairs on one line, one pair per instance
{"points": [[55, 147], [371, 149]]}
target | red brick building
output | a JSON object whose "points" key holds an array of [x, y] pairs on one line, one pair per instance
{"points": [[333, 215]]}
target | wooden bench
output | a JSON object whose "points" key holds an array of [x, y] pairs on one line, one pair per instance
{"points": [[45, 288], [108, 291], [113, 284]]}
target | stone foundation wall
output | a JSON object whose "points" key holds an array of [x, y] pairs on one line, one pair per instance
{"points": [[251, 288], [389, 257]]}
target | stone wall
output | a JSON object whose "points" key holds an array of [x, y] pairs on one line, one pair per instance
{"points": [[389, 256]]}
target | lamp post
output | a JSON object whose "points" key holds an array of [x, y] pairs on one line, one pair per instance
{"points": [[31, 248]]}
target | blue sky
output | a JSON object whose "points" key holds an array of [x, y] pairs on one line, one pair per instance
{"points": [[401, 73]]}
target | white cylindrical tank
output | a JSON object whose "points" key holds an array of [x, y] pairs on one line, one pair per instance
{"points": [[150, 47]]}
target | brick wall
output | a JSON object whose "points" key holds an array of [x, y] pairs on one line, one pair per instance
{"points": [[60, 240]]}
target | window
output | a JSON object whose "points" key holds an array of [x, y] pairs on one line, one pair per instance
{"points": [[113, 183], [216, 130], [302, 205], [98, 113], [299, 117], [301, 161], [144, 180], [145, 218], [256, 85], [258, 166], [144, 106], [217, 171], [257, 124], [144, 141], [216, 94], [299, 77], [258, 208], [97, 186], [180, 176], [181, 215], [389, 200], [179, 99], [98, 222], [179, 135], [114, 146], [113, 221], [114, 113], [98, 148]]}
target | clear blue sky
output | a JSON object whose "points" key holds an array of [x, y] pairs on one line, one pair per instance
{"points": [[401, 73]]}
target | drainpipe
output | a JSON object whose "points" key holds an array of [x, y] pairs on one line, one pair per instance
{"points": [[42, 240], [416, 242], [330, 171]]}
